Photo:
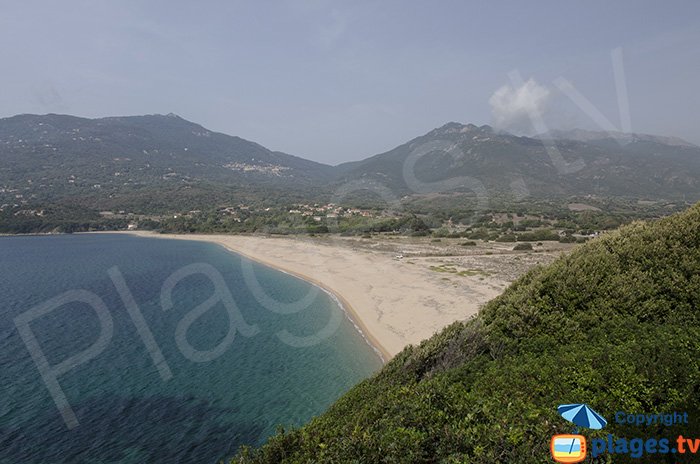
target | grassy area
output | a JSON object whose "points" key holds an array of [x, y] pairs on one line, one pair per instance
{"points": [[464, 273]]}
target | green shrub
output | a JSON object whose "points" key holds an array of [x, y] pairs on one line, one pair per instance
{"points": [[614, 324], [479, 234], [507, 238], [522, 247], [538, 235]]}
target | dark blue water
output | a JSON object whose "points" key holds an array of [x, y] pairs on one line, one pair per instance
{"points": [[187, 394]]}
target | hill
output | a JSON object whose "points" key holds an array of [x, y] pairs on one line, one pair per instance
{"points": [[143, 162], [624, 138], [457, 157], [62, 173], [615, 324], [111, 162]]}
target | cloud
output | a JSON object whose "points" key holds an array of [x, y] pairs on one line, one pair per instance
{"points": [[514, 107]]}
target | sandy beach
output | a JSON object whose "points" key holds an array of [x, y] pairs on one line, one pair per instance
{"points": [[395, 301]]}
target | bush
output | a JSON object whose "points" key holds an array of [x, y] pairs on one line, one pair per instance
{"points": [[468, 243], [614, 324], [479, 234], [522, 247], [506, 238], [492, 236], [538, 235]]}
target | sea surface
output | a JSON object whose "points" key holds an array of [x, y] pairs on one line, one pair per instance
{"points": [[165, 351]]}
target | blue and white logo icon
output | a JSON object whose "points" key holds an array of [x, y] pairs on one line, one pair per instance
{"points": [[582, 415]]}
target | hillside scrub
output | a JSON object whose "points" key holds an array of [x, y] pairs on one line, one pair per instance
{"points": [[615, 324]]}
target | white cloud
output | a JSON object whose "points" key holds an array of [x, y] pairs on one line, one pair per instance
{"points": [[513, 108]]}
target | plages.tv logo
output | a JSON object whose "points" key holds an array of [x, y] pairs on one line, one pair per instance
{"points": [[570, 448]]}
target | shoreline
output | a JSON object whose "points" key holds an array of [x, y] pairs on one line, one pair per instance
{"points": [[344, 304], [393, 301], [346, 307]]}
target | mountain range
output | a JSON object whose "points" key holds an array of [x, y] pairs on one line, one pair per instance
{"points": [[457, 156], [110, 161]]}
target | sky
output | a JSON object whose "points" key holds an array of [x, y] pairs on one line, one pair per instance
{"points": [[337, 81]]}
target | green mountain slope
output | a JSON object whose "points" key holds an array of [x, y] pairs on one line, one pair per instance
{"points": [[106, 162], [148, 164], [615, 324], [623, 138], [630, 165]]}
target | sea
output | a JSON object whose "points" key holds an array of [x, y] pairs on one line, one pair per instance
{"points": [[123, 349]]}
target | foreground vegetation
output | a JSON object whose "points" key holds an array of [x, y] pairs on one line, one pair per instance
{"points": [[615, 324]]}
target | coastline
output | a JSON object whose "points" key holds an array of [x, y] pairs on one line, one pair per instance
{"points": [[344, 304], [384, 355], [392, 303], [348, 310]]}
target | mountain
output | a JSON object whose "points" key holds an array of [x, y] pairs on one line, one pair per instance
{"points": [[163, 163], [615, 324], [624, 138], [56, 156], [457, 157]]}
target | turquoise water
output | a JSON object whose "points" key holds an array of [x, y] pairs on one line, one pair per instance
{"points": [[286, 362]]}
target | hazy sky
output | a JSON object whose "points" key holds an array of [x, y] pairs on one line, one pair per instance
{"points": [[341, 80]]}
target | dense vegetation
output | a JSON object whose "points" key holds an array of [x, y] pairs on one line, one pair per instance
{"points": [[537, 221], [56, 219], [271, 211], [615, 324]]}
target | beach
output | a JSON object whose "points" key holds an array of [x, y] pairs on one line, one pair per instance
{"points": [[394, 300]]}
